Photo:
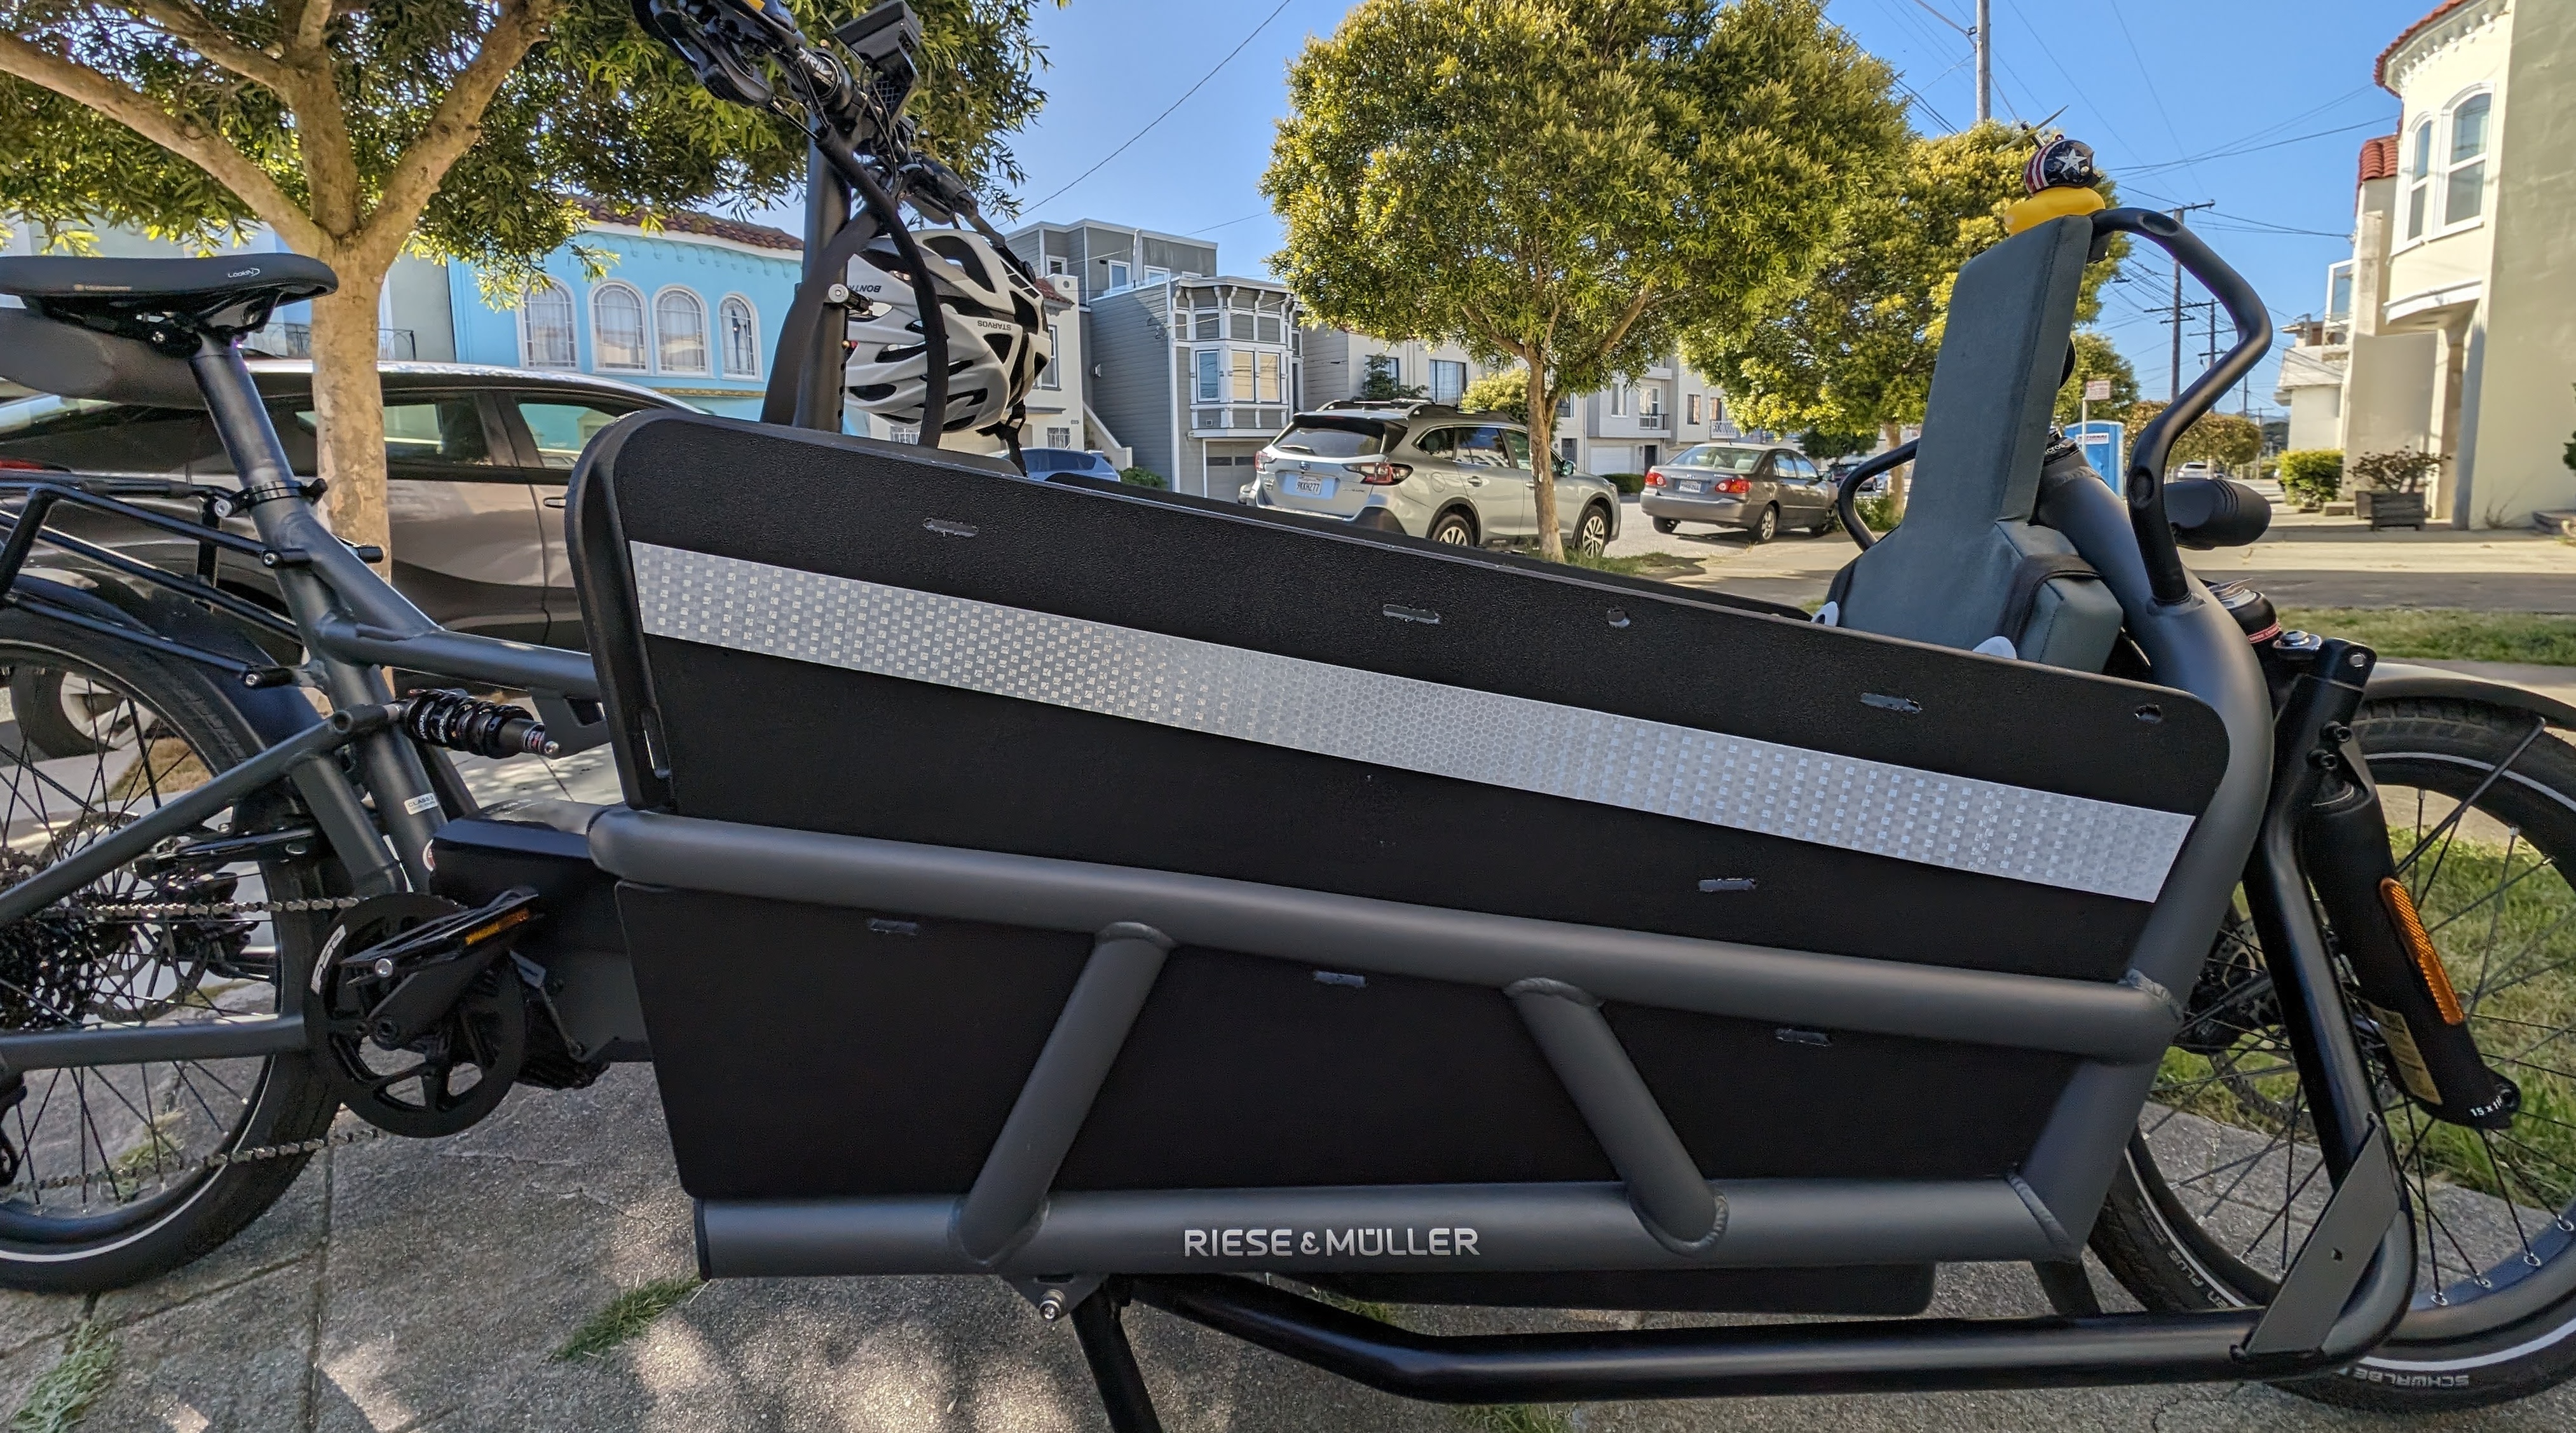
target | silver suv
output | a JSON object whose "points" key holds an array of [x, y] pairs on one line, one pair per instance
{"points": [[1428, 470]]}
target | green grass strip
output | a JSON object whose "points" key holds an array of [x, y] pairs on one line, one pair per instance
{"points": [[1516, 1418], [626, 1316], [2445, 633], [59, 1397]]}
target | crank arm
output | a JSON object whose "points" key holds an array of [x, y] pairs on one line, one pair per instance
{"points": [[443, 957]]}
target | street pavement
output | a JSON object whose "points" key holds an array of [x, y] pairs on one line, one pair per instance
{"points": [[425, 1286], [2306, 560]]}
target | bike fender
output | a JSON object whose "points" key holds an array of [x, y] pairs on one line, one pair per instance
{"points": [[274, 713], [2397, 681]]}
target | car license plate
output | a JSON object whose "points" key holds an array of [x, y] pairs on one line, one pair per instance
{"points": [[1694, 485], [1311, 485]]}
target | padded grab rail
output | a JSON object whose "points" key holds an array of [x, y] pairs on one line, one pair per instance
{"points": [[2146, 476]]}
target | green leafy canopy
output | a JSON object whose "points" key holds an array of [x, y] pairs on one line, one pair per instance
{"points": [[594, 109], [1853, 352]]}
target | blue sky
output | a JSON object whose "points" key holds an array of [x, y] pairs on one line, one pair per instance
{"points": [[2185, 101]]}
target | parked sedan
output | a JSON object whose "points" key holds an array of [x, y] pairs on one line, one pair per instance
{"points": [[1046, 462], [1756, 489], [1429, 470], [476, 461]]}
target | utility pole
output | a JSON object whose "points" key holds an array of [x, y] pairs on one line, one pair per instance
{"points": [[1984, 36], [2173, 381]]}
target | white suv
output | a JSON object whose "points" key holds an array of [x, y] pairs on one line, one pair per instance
{"points": [[1429, 470]]}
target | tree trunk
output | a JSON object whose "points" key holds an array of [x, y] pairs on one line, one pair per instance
{"points": [[1897, 477], [350, 406], [1542, 437]]}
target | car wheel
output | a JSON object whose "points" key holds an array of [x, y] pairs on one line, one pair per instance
{"points": [[1765, 527], [1592, 534], [66, 714], [1454, 530], [1668, 525]]}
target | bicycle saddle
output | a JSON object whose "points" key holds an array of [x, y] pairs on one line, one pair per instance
{"points": [[165, 303]]}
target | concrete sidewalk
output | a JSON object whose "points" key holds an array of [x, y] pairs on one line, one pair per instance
{"points": [[405, 1287], [2304, 561]]}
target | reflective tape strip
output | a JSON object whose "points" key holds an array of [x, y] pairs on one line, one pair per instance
{"points": [[1737, 782]]}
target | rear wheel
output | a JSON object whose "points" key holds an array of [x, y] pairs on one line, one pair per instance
{"points": [[1765, 527], [116, 1173], [2222, 1182], [1668, 526], [1453, 530]]}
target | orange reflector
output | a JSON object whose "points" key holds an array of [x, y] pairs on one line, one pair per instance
{"points": [[485, 933], [2410, 927]]}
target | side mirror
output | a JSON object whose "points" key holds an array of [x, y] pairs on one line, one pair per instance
{"points": [[1564, 468]]}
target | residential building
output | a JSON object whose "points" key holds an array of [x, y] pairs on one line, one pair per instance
{"points": [[1339, 364], [1642, 419], [2460, 328], [1104, 258], [1055, 406], [690, 308], [1195, 375]]}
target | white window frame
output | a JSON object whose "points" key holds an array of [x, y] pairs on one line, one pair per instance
{"points": [[1055, 265], [706, 336], [2447, 163], [2421, 145], [1432, 377], [1207, 367], [1119, 272], [722, 338], [1157, 276], [572, 316], [644, 321], [2338, 273], [1618, 400], [1052, 376]]}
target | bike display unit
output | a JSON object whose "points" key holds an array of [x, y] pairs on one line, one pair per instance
{"points": [[1442, 927]]}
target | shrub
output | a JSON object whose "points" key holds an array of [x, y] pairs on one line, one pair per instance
{"points": [[1142, 478], [1629, 483], [2403, 471], [1878, 511], [1505, 392], [2312, 475]]}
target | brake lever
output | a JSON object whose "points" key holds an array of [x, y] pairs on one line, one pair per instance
{"points": [[725, 74]]}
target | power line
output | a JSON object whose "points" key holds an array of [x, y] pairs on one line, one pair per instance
{"points": [[1228, 224], [1167, 110], [2154, 95], [2189, 160]]}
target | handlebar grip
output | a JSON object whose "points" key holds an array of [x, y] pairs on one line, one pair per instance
{"points": [[2216, 512], [2143, 484]]}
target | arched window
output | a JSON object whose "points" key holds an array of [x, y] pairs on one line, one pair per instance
{"points": [[545, 324], [617, 328], [2465, 187], [741, 337], [680, 329]]}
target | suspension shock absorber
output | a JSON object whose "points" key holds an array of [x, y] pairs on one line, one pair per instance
{"points": [[458, 722], [2400, 983]]}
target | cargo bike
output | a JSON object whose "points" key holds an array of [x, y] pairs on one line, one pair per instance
{"points": [[1439, 927]]}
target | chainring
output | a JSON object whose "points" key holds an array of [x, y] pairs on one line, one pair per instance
{"points": [[413, 1090]]}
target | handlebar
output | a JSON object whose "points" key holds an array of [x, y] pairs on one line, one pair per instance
{"points": [[1847, 496], [2144, 484]]}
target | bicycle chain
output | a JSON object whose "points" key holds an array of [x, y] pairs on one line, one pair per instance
{"points": [[155, 910], [217, 1160], [220, 1158]]}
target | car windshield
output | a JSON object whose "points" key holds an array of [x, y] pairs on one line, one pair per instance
{"points": [[1721, 457], [1055, 460], [1331, 440]]}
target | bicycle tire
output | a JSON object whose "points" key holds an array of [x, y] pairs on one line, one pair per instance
{"points": [[73, 1245], [2444, 1355]]}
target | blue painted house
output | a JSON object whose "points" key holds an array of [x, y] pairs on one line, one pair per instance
{"points": [[691, 309]]}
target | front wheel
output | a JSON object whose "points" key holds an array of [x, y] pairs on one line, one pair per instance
{"points": [[114, 1174], [2222, 1182], [1592, 535]]}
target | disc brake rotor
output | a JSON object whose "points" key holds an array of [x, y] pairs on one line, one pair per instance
{"points": [[451, 1076]]}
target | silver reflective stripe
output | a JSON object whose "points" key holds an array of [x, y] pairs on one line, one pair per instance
{"points": [[1488, 737]]}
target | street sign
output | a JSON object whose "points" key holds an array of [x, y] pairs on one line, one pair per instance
{"points": [[2097, 390], [2105, 447]]}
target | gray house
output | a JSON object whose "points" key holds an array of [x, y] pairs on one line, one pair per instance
{"points": [[1195, 375], [1104, 258]]}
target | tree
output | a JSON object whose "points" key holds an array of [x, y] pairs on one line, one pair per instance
{"points": [[1504, 391], [1853, 352], [2096, 357], [1569, 183], [2221, 438], [1824, 447], [462, 129]]}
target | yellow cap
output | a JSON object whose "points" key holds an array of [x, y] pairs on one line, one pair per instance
{"points": [[2050, 204]]}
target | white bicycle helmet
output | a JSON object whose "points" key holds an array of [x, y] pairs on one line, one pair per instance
{"points": [[993, 316]]}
